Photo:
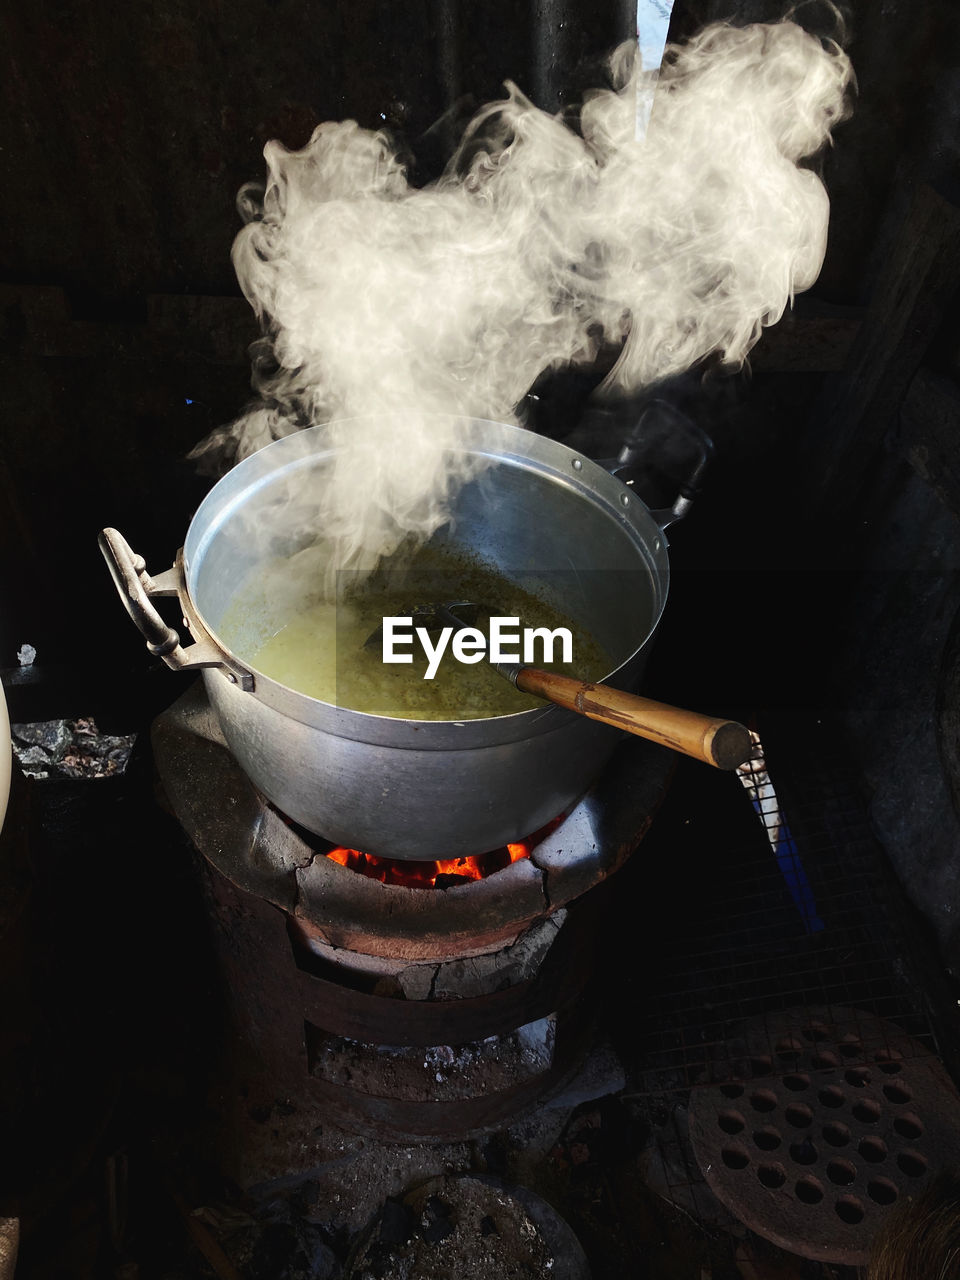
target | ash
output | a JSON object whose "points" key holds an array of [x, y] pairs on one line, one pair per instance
{"points": [[453, 1226], [441, 1071], [529, 1046]]}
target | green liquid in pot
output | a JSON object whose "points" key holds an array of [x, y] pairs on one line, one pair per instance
{"points": [[318, 648]]}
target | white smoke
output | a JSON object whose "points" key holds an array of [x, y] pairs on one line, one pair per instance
{"points": [[536, 247]]}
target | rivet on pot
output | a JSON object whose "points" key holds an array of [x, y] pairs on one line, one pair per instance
{"points": [[578, 464]]}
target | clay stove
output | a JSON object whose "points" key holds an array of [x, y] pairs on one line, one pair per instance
{"points": [[406, 1010]]}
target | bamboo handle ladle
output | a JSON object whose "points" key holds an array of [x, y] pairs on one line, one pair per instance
{"points": [[723, 743]]}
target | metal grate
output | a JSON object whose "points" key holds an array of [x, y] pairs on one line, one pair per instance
{"points": [[848, 1116]]}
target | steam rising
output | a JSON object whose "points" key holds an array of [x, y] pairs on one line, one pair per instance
{"points": [[538, 246]]}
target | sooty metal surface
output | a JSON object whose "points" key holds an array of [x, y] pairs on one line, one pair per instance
{"points": [[836, 1115]]}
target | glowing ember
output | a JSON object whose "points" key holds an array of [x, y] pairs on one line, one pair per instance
{"points": [[424, 875]]}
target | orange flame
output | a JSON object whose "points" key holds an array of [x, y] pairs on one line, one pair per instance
{"points": [[415, 874]]}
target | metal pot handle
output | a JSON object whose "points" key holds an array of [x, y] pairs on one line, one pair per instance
{"points": [[634, 450], [136, 589]]}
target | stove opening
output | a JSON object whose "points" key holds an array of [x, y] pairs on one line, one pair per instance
{"points": [[445, 874]]}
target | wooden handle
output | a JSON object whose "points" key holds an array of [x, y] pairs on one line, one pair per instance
{"points": [[722, 743]]}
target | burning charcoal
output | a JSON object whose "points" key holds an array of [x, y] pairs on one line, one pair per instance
{"points": [[397, 1223], [435, 1221], [447, 880]]}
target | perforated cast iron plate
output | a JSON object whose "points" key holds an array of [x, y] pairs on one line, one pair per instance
{"points": [[832, 1116]]}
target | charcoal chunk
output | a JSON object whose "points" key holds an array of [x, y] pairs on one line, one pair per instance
{"points": [[436, 1221], [397, 1223]]}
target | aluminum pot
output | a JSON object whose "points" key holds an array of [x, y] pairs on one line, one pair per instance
{"points": [[413, 788]]}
